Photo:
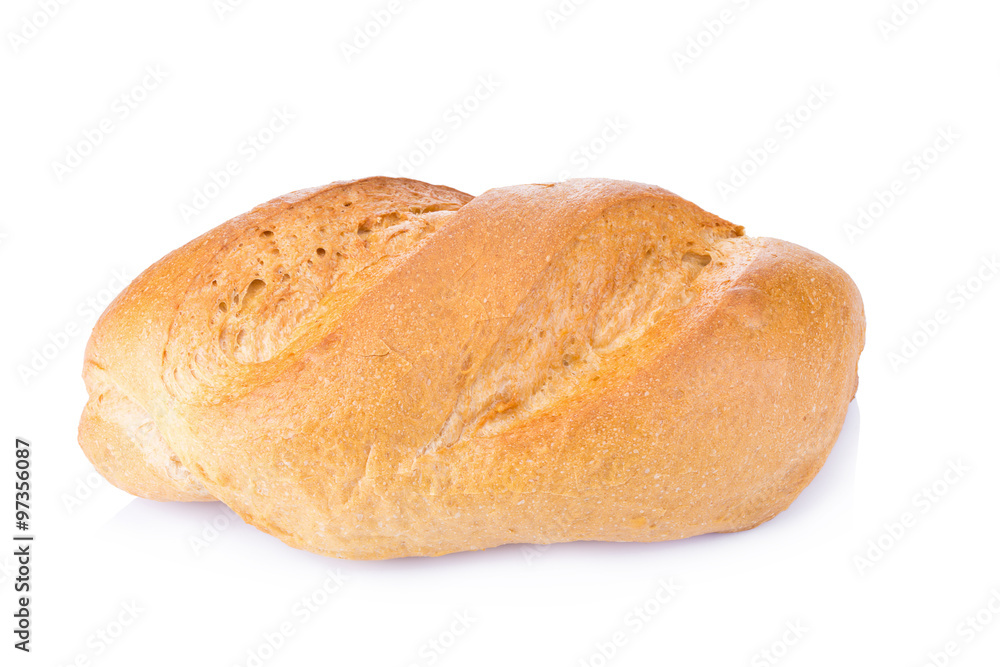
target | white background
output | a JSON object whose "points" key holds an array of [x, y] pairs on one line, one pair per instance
{"points": [[840, 567]]}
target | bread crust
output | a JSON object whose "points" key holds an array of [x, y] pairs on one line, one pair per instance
{"points": [[594, 359]]}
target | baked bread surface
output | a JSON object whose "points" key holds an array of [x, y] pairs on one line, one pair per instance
{"points": [[383, 368]]}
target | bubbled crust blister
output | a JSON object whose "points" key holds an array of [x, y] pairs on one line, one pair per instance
{"points": [[587, 360]]}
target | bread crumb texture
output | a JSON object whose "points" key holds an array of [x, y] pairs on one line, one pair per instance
{"points": [[384, 368]]}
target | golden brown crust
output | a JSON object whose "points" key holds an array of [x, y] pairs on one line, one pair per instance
{"points": [[150, 343], [587, 360]]}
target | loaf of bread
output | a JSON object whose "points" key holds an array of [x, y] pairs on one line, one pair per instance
{"points": [[383, 368]]}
